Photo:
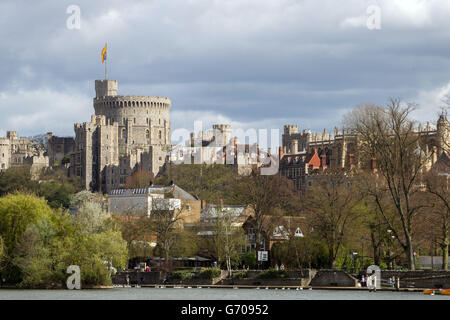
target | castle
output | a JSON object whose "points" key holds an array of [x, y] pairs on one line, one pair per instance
{"points": [[303, 152], [217, 146], [15, 151], [125, 133]]}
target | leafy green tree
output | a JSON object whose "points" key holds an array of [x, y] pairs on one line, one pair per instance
{"points": [[40, 243], [300, 252], [17, 179], [57, 194], [249, 259]]}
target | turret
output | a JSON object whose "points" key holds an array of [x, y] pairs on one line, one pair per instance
{"points": [[105, 88]]}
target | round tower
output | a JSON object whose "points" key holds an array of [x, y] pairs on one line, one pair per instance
{"points": [[142, 120]]}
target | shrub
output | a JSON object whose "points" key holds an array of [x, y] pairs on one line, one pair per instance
{"points": [[272, 274], [209, 273], [249, 259], [240, 275], [182, 275]]}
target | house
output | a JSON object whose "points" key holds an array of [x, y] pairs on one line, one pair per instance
{"points": [[275, 229], [299, 166], [142, 201]]}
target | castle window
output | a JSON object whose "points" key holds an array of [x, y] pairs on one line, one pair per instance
{"points": [[147, 134], [124, 134], [159, 134], [134, 120]]}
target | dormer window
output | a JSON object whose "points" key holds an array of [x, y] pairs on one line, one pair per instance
{"points": [[298, 233]]}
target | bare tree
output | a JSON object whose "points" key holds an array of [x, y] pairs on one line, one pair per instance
{"points": [[266, 195], [228, 239], [331, 205], [139, 179], [437, 184], [387, 135], [165, 223]]}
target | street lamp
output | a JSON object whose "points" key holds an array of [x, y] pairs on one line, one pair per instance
{"points": [[390, 237], [353, 255]]}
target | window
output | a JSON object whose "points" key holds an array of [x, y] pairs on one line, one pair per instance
{"points": [[298, 233], [160, 134], [147, 134]]}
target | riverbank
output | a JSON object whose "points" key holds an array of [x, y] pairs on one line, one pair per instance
{"points": [[269, 287], [214, 293]]}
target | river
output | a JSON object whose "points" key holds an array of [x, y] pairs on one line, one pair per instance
{"points": [[210, 294]]}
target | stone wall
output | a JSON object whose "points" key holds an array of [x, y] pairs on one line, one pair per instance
{"points": [[333, 278], [138, 277], [419, 279]]}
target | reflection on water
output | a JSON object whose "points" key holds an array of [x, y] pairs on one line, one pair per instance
{"points": [[210, 294]]}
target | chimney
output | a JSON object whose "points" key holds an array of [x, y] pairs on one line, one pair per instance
{"points": [[373, 165], [352, 160], [323, 161], [203, 204]]}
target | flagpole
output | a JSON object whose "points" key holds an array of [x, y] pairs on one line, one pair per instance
{"points": [[106, 63]]}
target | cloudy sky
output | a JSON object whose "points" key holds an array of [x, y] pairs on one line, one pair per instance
{"points": [[249, 63]]}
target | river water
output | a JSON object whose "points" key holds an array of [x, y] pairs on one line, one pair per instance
{"points": [[210, 294]]}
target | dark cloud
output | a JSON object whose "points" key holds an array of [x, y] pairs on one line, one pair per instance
{"points": [[252, 62]]}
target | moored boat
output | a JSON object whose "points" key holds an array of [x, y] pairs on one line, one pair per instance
{"points": [[437, 291]]}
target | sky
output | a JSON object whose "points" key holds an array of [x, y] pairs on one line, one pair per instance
{"points": [[256, 64]]}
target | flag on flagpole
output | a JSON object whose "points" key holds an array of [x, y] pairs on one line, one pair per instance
{"points": [[104, 54]]}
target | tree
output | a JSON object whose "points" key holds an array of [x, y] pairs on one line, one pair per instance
{"points": [[91, 218], [16, 179], [228, 239], [85, 196], [139, 179], [165, 224], [2, 251], [331, 203], [387, 135], [206, 182], [266, 195], [437, 184], [57, 194], [300, 252], [40, 243]]}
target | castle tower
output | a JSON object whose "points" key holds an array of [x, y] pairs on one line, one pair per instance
{"points": [[126, 133], [443, 134], [222, 134]]}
